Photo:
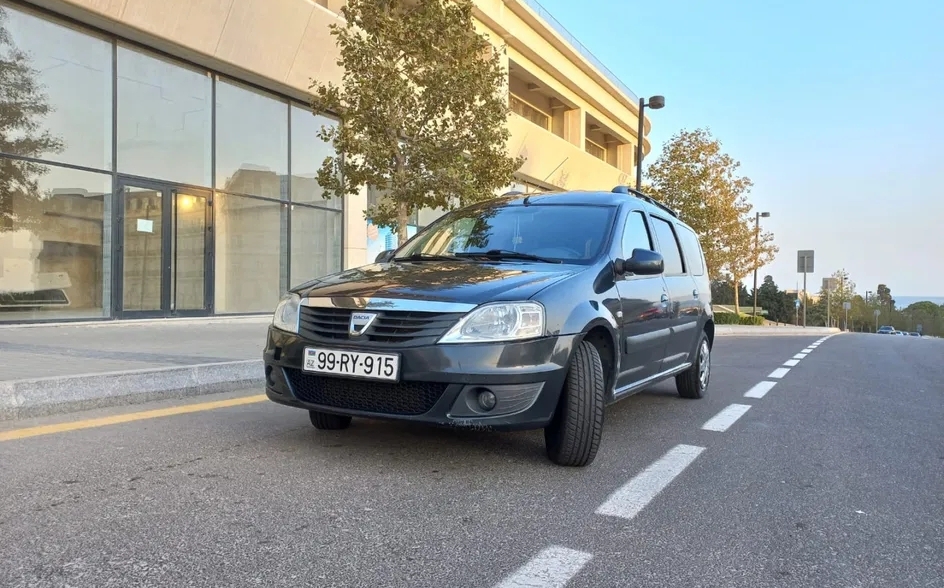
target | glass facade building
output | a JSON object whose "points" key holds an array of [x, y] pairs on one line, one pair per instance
{"points": [[136, 185]]}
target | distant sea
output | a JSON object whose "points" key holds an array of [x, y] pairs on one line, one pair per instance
{"points": [[905, 301]]}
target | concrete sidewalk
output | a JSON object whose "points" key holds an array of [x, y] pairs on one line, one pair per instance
{"points": [[49, 369], [46, 369]]}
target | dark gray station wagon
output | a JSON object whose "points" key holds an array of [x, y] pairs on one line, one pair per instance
{"points": [[523, 312]]}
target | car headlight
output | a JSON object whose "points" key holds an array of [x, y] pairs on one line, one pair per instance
{"points": [[285, 316], [502, 321]]}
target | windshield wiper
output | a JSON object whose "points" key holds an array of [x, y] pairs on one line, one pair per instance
{"points": [[419, 256], [508, 254]]}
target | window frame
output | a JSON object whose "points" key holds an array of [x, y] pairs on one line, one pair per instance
{"points": [[678, 245]]}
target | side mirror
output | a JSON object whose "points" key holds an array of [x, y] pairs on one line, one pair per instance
{"points": [[384, 256], [644, 262]]}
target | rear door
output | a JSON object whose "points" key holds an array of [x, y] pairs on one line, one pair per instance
{"points": [[644, 325], [684, 307]]}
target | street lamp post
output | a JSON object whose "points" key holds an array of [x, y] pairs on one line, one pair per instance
{"points": [[757, 218], [655, 103]]}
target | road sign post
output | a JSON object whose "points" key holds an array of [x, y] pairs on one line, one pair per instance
{"points": [[846, 306], [796, 306], [805, 266], [829, 284]]}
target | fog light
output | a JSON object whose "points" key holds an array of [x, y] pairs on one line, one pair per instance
{"points": [[487, 399]]}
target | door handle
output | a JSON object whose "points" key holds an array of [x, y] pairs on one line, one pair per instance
{"points": [[695, 293], [665, 299]]}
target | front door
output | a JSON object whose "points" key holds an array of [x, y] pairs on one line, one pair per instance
{"points": [[164, 251]]}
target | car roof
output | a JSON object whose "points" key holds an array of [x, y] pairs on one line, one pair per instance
{"points": [[614, 197]]}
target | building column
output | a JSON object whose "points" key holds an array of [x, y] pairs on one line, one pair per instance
{"points": [[354, 252], [574, 130]]}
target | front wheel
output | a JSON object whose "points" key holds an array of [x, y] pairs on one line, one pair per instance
{"points": [[326, 421], [693, 382], [573, 437]]}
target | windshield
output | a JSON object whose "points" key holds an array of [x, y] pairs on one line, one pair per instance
{"points": [[563, 233]]}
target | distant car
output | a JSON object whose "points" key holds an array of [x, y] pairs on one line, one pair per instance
{"points": [[886, 330], [523, 312], [914, 334]]}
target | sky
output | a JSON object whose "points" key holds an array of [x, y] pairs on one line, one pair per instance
{"points": [[834, 109]]}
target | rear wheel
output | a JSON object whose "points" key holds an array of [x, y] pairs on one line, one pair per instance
{"points": [[327, 421], [693, 382], [573, 437]]}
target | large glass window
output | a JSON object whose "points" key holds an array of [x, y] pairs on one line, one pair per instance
{"points": [[164, 119], [692, 249], [251, 142], [308, 154], [55, 95], [635, 234], [55, 242], [316, 243], [250, 253]]}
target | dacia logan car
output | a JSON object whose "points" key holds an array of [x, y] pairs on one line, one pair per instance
{"points": [[522, 312]]}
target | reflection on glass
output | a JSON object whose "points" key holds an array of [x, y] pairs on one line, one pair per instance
{"points": [[316, 243], [572, 234], [188, 265], [308, 155], [251, 142], [164, 119], [56, 97], [249, 253], [54, 251], [142, 272]]}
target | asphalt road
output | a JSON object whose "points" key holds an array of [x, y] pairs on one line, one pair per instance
{"points": [[834, 476]]}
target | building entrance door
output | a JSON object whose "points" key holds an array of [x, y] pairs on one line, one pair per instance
{"points": [[164, 262]]}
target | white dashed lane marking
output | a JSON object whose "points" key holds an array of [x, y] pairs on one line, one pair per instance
{"points": [[779, 372], [808, 350], [799, 356], [791, 362], [632, 497], [760, 389], [553, 567], [727, 417]]}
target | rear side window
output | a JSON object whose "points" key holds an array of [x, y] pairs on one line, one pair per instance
{"points": [[668, 245], [692, 250]]}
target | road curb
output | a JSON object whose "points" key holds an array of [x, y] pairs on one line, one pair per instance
{"points": [[47, 396], [765, 331]]}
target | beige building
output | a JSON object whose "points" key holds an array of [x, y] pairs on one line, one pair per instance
{"points": [[167, 167]]}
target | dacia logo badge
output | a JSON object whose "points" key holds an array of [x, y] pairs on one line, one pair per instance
{"points": [[360, 322]]}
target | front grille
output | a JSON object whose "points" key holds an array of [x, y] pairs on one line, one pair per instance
{"points": [[404, 398], [391, 327]]}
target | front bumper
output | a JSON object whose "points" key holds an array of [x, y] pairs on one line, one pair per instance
{"points": [[438, 385]]}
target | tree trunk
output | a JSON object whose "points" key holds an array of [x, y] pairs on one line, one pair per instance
{"points": [[403, 217], [737, 287]]}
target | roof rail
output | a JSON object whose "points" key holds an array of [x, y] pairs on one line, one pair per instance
{"points": [[647, 198]]}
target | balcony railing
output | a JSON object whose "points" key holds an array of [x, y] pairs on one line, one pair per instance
{"points": [[557, 26]]}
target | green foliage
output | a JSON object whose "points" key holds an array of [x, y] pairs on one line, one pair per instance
{"points": [[422, 105], [722, 290], [694, 176], [729, 318]]}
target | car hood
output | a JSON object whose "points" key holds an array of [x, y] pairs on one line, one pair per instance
{"points": [[460, 281]]}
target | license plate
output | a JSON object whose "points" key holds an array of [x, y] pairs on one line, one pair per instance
{"points": [[354, 364]]}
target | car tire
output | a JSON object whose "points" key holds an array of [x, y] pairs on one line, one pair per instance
{"points": [[327, 421], [693, 382], [573, 436]]}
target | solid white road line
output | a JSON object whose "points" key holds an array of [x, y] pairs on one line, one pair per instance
{"points": [[727, 417], [632, 497], [779, 372], [553, 567], [799, 356], [791, 362], [760, 389]]}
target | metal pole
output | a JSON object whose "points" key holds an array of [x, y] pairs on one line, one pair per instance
{"points": [[639, 139], [829, 319], [756, 247], [805, 297]]}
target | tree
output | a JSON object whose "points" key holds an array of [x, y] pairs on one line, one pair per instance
{"points": [[422, 107], [693, 176], [842, 293], [744, 250], [23, 106]]}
